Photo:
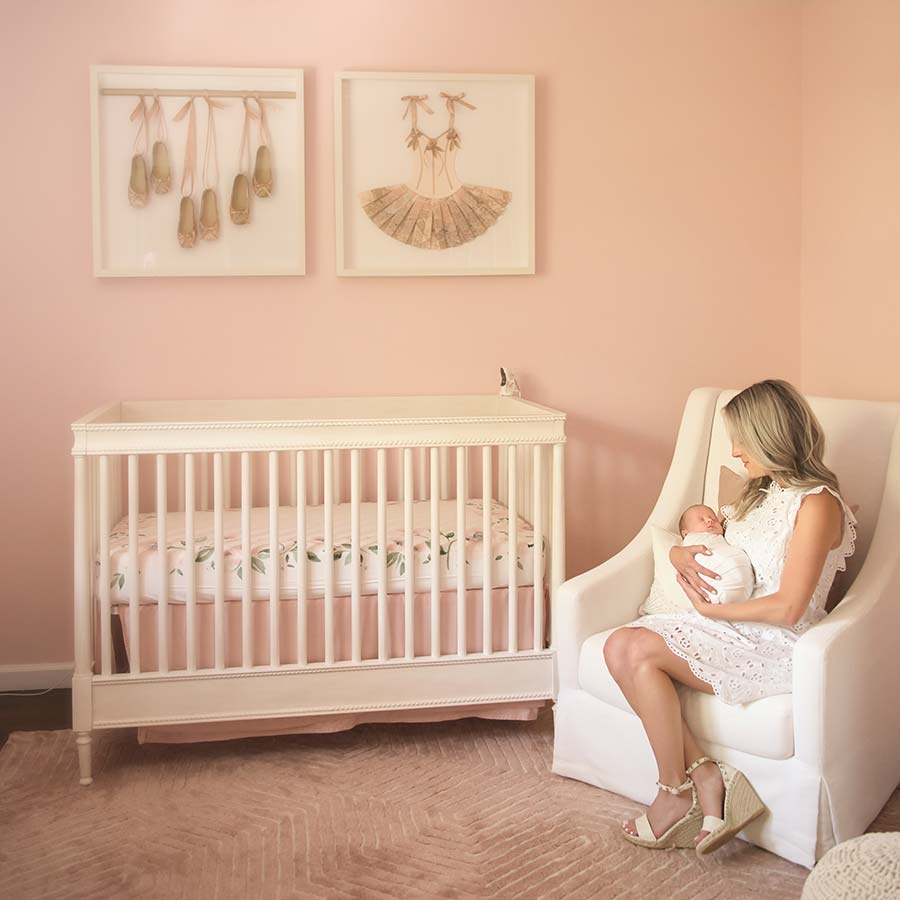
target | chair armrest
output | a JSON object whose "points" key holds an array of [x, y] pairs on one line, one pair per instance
{"points": [[846, 669], [601, 598], [611, 593]]}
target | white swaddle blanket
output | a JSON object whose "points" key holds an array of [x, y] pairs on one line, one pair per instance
{"points": [[730, 563]]}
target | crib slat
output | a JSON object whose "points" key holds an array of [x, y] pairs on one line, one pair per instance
{"points": [[512, 643], [190, 565], [134, 598], [105, 610], [162, 555], [246, 563], [292, 476], [502, 475], [537, 518], [487, 554], [355, 573], [273, 562], [445, 473], [337, 476], [435, 553], [421, 475], [558, 526], [316, 478], [381, 511], [204, 481], [226, 462], [461, 551], [179, 484], [526, 499], [219, 557], [408, 552], [328, 557], [302, 612]]}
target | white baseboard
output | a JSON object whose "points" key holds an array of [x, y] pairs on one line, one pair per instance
{"points": [[38, 677]]}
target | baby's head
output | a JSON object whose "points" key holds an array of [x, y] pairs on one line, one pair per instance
{"points": [[699, 518]]}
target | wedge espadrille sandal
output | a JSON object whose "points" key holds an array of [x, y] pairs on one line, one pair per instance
{"points": [[678, 836], [742, 806]]}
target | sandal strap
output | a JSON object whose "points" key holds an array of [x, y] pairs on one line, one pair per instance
{"points": [[687, 783], [642, 825], [697, 763]]}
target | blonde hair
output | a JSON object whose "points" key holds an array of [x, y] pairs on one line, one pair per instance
{"points": [[777, 429]]}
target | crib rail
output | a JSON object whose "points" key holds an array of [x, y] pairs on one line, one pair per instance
{"points": [[140, 467]]}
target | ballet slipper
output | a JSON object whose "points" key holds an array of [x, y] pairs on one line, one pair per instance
{"points": [[187, 223], [240, 200], [262, 172], [209, 215], [161, 173], [137, 184]]}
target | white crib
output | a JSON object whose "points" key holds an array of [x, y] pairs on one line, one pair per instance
{"points": [[148, 469]]}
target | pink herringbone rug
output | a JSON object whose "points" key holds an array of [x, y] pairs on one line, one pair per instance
{"points": [[462, 809]]}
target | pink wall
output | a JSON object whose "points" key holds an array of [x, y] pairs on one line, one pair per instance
{"points": [[667, 241], [851, 198]]}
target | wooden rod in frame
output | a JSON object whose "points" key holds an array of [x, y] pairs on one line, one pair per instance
{"points": [[174, 92]]}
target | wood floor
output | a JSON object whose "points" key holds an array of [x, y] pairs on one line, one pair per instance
{"points": [[37, 712]]}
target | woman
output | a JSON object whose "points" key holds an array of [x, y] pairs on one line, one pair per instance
{"points": [[795, 527]]}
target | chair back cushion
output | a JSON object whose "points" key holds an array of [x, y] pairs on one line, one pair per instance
{"points": [[858, 436]]}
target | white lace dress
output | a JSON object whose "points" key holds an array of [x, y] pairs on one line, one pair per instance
{"points": [[745, 661]]}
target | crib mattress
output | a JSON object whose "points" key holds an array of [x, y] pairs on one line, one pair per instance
{"points": [[398, 557]]}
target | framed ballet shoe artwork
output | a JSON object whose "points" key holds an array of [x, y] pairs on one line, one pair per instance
{"points": [[197, 171], [209, 215], [187, 223], [161, 172], [434, 174], [262, 172], [137, 183], [240, 200]]}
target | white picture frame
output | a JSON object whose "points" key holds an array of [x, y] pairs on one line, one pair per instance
{"points": [[134, 242], [497, 151]]}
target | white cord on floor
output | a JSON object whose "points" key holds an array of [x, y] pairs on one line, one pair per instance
{"points": [[55, 687]]}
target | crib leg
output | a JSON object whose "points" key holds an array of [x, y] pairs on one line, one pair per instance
{"points": [[83, 740]]}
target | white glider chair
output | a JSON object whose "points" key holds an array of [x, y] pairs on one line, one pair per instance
{"points": [[825, 758]]}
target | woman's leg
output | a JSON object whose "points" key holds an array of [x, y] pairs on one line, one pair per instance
{"points": [[645, 668], [707, 779]]}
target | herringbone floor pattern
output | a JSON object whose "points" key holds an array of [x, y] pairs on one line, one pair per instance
{"points": [[464, 809]]}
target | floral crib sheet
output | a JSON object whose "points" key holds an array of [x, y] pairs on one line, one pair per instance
{"points": [[262, 558]]}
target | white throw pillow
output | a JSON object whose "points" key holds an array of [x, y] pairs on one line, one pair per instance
{"points": [[666, 595]]}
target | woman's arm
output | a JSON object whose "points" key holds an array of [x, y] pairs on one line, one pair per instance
{"points": [[816, 531]]}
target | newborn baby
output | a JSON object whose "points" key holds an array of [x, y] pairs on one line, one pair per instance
{"points": [[700, 525]]}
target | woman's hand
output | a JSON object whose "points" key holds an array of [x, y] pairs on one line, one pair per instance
{"points": [[689, 570], [701, 604]]}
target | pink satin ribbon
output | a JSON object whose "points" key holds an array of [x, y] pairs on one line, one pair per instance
{"points": [[190, 147], [140, 110]]}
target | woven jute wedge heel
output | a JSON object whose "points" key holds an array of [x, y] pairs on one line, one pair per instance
{"points": [[678, 836], [742, 806]]}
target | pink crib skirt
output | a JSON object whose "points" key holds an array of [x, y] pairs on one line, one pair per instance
{"points": [[214, 731]]}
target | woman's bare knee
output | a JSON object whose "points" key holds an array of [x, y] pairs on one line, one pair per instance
{"points": [[645, 647], [616, 651]]}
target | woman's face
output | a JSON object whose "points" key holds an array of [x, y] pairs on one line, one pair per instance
{"points": [[754, 469]]}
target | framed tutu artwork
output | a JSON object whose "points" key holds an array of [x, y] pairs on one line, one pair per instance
{"points": [[197, 171], [434, 174]]}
